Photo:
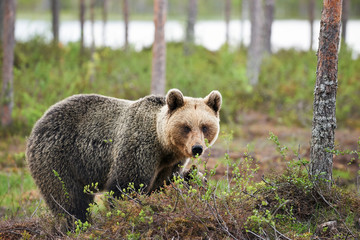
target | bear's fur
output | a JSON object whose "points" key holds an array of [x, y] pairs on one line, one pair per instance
{"points": [[91, 138]]}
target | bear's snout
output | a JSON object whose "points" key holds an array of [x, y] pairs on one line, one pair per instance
{"points": [[197, 150]]}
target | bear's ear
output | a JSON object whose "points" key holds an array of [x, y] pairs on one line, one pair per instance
{"points": [[214, 100], [174, 99]]}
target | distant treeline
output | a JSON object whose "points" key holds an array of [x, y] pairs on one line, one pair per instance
{"points": [[177, 8]]}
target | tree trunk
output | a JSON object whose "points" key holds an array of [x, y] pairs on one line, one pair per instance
{"points": [[7, 92], [324, 119], [158, 80], [55, 6], [269, 17], [82, 22], [126, 23], [344, 18], [244, 6], [92, 19], [104, 17], [227, 20], [256, 48], [190, 27], [1, 19], [311, 21]]}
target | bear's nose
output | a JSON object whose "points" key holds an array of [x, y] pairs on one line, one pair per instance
{"points": [[197, 150]]}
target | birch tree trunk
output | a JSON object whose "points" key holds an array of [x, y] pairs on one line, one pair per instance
{"points": [[324, 119], [7, 91], [55, 6], [311, 22], [158, 76], [256, 48], [269, 18], [190, 26], [126, 23]]}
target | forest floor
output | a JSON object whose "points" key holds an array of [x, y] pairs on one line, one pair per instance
{"points": [[251, 138]]}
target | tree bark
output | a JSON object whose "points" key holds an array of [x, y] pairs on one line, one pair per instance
{"points": [[82, 22], [158, 80], [345, 18], [126, 23], [269, 18], [244, 8], [324, 119], [104, 17], [256, 48], [7, 91], [227, 21], [311, 21], [92, 20], [190, 26], [1, 19], [55, 6]]}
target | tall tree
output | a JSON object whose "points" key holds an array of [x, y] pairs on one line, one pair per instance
{"points": [[244, 8], [256, 48], [55, 9], [324, 119], [1, 19], [126, 23], [311, 21], [269, 18], [92, 20], [158, 76], [190, 26], [345, 18], [227, 20], [82, 23], [7, 92], [104, 17]]}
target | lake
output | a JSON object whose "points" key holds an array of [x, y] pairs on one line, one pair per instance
{"points": [[211, 34]]}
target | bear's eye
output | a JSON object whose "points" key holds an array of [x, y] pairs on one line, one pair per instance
{"points": [[204, 129], [186, 129]]}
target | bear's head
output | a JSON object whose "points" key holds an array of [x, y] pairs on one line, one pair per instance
{"points": [[190, 125]]}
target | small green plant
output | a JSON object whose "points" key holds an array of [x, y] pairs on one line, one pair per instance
{"points": [[62, 183]]}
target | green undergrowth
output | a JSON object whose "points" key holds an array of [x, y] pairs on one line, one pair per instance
{"points": [[285, 205], [45, 73]]}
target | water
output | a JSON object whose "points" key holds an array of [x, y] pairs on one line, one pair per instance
{"points": [[211, 34]]}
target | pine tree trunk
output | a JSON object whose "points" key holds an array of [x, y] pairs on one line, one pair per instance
{"points": [[190, 26], [126, 23], [227, 20], [311, 21], [92, 20], [7, 91], [269, 17], [244, 8], [158, 80], [256, 48], [324, 119], [344, 18], [55, 5], [1, 19], [104, 16], [82, 22]]}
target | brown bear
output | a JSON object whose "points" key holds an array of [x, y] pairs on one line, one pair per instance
{"points": [[90, 138]]}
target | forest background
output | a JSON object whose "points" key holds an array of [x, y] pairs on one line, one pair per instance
{"points": [[281, 102]]}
